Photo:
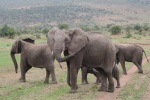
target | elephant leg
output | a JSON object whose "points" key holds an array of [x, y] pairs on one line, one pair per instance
{"points": [[138, 66], [66, 53], [86, 81], [75, 64], [73, 79], [97, 78], [122, 62], [116, 76], [68, 73], [110, 79], [103, 86], [23, 72], [84, 75], [50, 70], [47, 77]]}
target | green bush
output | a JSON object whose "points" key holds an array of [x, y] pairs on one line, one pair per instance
{"points": [[37, 36], [137, 27], [63, 26], [7, 31], [45, 30], [128, 35], [115, 30], [85, 28]]}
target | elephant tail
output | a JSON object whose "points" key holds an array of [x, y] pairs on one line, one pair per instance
{"points": [[146, 56]]}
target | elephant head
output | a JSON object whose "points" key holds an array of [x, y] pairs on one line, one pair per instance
{"points": [[16, 48], [73, 40]]}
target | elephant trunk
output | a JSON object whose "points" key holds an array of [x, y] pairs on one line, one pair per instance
{"points": [[57, 54], [14, 61]]}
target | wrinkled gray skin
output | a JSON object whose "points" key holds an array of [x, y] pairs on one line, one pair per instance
{"points": [[86, 70], [33, 55], [130, 53], [87, 49]]}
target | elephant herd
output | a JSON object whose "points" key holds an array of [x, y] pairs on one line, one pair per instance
{"points": [[93, 52]]}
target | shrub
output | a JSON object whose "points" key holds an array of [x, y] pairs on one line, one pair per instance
{"points": [[85, 28], [96, 28], [63, 26], [7, 31], [115, 30], [137, 27], [128, 35], [45, 30], [38, 36]]}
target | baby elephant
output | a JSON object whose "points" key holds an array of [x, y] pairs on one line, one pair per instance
{"points": [[86, 70], [36, 55], [130, 53]]}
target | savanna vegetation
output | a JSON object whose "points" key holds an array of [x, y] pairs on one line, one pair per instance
{"points": [[34, 89], [120, 20]]}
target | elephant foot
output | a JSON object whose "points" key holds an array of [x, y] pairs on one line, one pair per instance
{"points": [[46, 82], [111, 90], [53, 82], [22, 80], [117, 86], [103, 88], [125, 73], [84, 83], [73, 91], [140, 71], [97, 83]]}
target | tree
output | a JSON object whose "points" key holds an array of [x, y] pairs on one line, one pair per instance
{"points": [[115, 30]]}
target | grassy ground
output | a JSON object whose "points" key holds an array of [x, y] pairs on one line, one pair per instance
{"points": [[34, 89]]}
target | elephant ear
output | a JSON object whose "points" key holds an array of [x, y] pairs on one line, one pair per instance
{"points": [[50, 36], [17, 46], [78, 38]]}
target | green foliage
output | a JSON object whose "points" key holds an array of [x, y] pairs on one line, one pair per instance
{"points": [[7, 31], [38, 36], [146, 27], [96, 28], [128, 35], [62, 26], [85, 28], [137, 27], [45, 30], [115, 30]]}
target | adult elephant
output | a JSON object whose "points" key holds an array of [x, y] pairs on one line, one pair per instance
{"points": [[130, 53], [87, 49], [36, 55]]}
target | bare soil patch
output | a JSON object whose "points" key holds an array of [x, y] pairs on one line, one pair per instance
{"points": [[123, 81]]}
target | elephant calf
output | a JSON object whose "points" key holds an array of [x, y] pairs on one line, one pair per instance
{"points": [[86, 70], [130, 53], [36, 55]]}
